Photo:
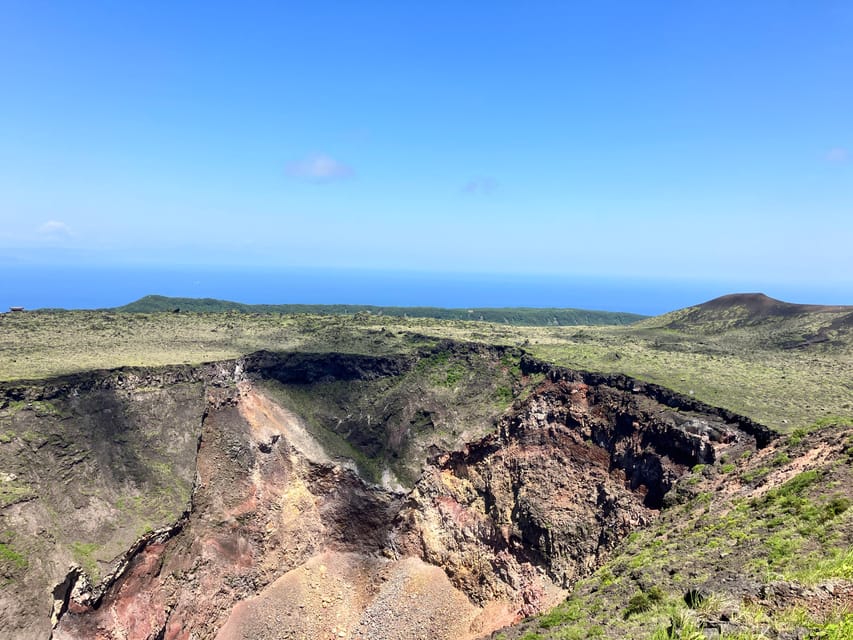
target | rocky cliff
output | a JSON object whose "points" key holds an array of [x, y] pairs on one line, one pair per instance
{"points": [[89, 463], [255, 529]]}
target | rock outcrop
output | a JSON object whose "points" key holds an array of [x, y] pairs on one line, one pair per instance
{"points": [[90, 463], [543, 501]]}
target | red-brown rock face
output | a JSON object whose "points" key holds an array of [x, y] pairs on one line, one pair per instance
{"points": [[544, 501], [266, 501]]}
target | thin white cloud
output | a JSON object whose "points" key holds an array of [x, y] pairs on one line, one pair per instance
{"points": [[481, 185], [319, 168], [55, 229], [837, 154]]}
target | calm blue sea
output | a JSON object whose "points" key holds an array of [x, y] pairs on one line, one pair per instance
{"points": [[97, 287]]}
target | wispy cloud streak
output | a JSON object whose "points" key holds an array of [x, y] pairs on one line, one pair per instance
{"points": [[55, 229], [319, 168]]}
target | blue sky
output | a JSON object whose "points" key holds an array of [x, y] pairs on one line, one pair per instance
{"points": [[708, 140]]}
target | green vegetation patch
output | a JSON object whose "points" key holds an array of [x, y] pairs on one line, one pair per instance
{"points": [[12, 492], [840, 628], [11, 557], [84, 554], [568, 612], [644, 600], [505, 315]]}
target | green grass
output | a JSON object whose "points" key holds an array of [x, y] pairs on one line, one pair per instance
{"points": [[84, 553], [11, 557], [838, 563], [680, 625], [644, 600], [784, 389], [503, 395], [12, 492], [569, 612], [841, 628]]}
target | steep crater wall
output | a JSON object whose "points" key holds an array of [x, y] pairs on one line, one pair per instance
{"points": [[539, 497], [391, 413], [569, 473], [88, 463]]}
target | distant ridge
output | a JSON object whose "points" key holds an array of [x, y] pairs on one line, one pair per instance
{"points": [[759, 305], [520, 316], [749, 309], [784, 324]]}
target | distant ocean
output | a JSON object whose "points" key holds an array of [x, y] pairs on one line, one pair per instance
{"points": [[99, 287]]}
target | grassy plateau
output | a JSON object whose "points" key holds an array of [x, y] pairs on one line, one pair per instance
{"points": [[785, 367]]}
